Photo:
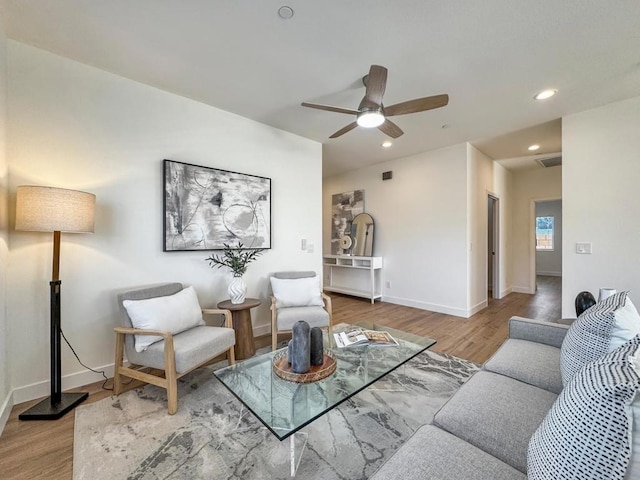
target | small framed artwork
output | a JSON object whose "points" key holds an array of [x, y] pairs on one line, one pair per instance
{"points": [[205, 208]]}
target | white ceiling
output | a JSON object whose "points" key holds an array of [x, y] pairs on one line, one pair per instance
{"points": [[490, 56]]}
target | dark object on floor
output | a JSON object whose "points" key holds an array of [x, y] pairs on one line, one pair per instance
{"points": [[584, 300]]}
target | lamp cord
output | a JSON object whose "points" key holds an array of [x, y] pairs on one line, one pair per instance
{"points": [[106, 379]]}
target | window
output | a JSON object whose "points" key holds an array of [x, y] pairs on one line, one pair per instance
{"points": [[544, 233]]}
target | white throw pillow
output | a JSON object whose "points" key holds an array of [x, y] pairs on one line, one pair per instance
{"points": [[598, 331], [627, 324], [296, 292], [172, 313]]}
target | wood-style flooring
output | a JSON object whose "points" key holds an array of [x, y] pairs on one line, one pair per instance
{"points": [[44, 450]]}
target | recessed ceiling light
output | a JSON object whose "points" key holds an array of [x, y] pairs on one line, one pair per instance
{"points": [[533, 148], [543, 95], [387, 143], [285, 12]]}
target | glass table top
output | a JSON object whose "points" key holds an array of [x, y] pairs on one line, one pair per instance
{"points": [[285, 407]]}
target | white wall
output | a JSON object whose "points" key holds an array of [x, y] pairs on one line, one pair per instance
{"points": [[601, 201], [74, 126], [5, 404], [480, 184], [528, 186], [502, 189], [420, 226], [549, 262]]}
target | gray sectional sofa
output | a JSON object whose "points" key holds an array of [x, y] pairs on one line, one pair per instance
{"points": [[483, 431]]}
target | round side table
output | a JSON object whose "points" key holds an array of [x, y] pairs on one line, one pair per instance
{"points": [[241, 315]]}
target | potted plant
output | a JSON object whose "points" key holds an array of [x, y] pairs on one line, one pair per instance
{"points": [[236, 259]]}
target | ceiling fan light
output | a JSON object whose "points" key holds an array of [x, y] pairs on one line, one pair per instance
{"points": [[370, 119]]}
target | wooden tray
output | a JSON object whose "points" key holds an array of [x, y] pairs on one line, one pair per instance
{"points": [[317, 372]]}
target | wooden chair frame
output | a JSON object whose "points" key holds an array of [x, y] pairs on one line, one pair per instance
{"points": [[170, 379], [274, 319]]}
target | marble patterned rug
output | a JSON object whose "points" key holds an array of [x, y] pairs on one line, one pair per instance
{"points": [[212, 436]]}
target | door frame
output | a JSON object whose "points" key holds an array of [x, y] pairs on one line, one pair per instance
{"points": [[532, 240], [495, 248]]}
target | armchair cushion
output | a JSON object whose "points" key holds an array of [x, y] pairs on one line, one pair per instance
{"points": [[315, 316], [192, 348], [298, 292], [172, 313]]}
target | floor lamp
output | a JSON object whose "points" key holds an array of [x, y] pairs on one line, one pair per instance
{"points": [[48, 209]]}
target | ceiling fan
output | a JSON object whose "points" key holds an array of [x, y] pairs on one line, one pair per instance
{"points": [[371, 113]]}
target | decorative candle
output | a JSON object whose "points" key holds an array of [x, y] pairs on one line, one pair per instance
{"points": [[300, 358], [317, 354]]}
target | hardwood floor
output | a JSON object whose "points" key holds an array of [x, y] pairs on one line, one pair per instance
{"points": [[44, 450]]}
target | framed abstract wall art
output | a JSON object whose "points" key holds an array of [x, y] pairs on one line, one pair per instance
{"points": [[205, 208]]}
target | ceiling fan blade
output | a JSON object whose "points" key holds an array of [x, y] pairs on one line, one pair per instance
{"points": [[376, 84], [344, 130], [330, 109], [417, 105], [390, 128]]}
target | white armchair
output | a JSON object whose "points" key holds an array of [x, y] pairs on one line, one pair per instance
{"points": [[163, 329], [297, 296]]}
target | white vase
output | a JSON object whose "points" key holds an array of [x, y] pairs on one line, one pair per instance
{"points": [[605, 293], [237, 290]]}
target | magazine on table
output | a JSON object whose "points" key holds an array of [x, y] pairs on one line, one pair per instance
{"points": [[373, 338]]}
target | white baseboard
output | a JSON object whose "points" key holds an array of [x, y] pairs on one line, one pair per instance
{"points": [[73, 380], [260, 330], [549, 274], [506, 292], [457, 312], [522, 290], [476, 308], [5, 411]]}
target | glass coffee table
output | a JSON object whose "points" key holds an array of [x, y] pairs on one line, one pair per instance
{"points": [[284, 407]]}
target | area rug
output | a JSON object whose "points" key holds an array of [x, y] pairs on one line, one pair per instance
{"points": [[212, 436]]}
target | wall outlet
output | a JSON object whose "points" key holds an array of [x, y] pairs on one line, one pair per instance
{"points": [[387, 284]]}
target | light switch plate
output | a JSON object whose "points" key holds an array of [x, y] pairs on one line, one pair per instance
{"points": [[583, 248]]}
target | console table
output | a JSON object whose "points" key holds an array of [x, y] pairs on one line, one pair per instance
{"points": [[365, 281]]}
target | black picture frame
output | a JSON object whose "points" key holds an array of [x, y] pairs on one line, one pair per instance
{"points": [[206, 207]]}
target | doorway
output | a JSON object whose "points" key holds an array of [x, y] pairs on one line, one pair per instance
{"points": [[546, 249], [493, 246]]}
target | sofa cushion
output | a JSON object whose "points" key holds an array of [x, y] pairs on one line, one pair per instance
{"points": [[529, 362], [496, 414], [587, 433], [432, 453], [598, 331]]}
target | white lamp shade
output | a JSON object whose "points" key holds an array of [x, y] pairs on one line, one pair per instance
{"points": [[49, 209]]}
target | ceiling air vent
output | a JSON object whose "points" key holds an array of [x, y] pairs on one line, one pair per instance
{"points": [[550, 162]]}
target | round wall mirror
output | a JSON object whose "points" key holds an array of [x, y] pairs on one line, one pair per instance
{"points": [[362, 235]]}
